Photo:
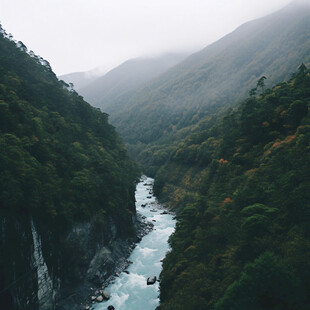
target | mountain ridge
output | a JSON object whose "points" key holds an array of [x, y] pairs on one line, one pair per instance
{"points": [[127, 76], [219, 75]]}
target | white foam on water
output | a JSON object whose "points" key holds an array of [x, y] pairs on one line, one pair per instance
{"points": [[146, 251], [130, 291]]}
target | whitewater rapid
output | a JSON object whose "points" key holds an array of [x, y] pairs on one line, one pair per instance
{"points": [[130, 291]]}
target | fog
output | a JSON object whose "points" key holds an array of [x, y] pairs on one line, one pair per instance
{"points": [[79, 35]]}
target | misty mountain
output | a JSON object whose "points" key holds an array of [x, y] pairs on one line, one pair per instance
{"points": [[79, 79], [218, 76], [103, 91]]}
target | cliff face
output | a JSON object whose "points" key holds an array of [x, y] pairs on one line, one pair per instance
{"points": [[49, 270], [19, 283], [66, 188]]}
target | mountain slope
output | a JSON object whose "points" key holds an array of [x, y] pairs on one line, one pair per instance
{"points": [[131, 74], [67, 184], [240, 189], [217, 76]]}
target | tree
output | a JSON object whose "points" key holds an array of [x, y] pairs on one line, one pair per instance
{"points": [[302, 68], [264, 284], [252, 92], [261, 83]]}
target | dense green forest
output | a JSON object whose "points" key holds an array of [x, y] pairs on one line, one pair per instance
{"points": [[240, 186], [59, 156], [61, 163], [163, 111]]}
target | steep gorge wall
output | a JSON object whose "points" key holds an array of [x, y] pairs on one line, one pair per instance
{"points": [[66, 188], [53, 271]]}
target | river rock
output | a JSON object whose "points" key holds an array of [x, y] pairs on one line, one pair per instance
{"points": [[99, 298], [87, 307], [126, 271], [151, 280], [105, 295], [93, 298], [111, 308], [165, 212]]}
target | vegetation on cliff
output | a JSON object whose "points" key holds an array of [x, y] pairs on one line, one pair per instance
{"points": [[61, 163]]}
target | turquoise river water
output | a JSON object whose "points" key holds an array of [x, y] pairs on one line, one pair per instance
{"points": [[130, 291]]}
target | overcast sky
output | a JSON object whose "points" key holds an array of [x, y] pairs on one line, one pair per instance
{"points": [[79, 35]]}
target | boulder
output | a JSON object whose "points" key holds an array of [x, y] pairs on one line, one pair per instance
{"points": [[126, 271], [99, 298], [151, 280], [87, 307], [165, 212], [93, 298], [111, 308], [105, 295]]}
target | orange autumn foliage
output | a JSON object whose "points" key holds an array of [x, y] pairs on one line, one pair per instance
{"points": [[288, 139], [277, 143], [227, 200], [223, 161]]}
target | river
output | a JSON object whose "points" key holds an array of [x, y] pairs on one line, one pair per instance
{"points": [[130, 291]]}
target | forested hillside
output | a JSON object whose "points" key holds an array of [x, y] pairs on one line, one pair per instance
{"points": [[240, 186], [61, 164], [218, 76]]}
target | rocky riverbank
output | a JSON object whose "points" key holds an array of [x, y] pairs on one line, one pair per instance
{"points": [[137, 288], [107, 263]]}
